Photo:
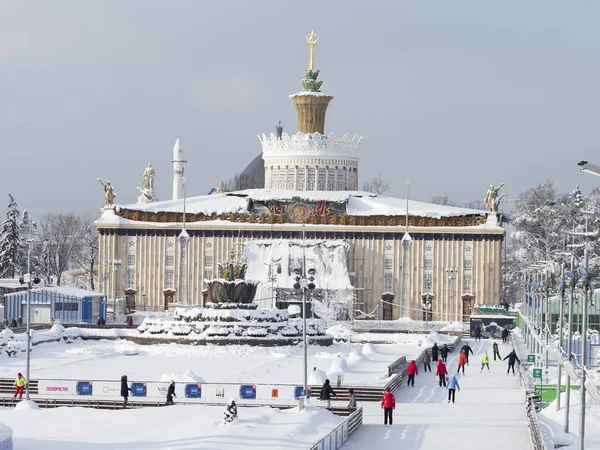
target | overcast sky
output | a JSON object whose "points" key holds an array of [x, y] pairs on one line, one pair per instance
{"points": [[453, 95]]}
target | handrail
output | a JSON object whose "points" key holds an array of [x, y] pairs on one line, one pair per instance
{"points": [[342, 432]]}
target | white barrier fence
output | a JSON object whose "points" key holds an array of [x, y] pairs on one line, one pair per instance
{"points": [[338, 437], [183, 390]]}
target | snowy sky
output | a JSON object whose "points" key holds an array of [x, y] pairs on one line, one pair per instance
{"points": [[452, 95]]}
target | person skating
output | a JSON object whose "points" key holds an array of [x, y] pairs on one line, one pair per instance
{"points": [[434, 352], [326, 393], [230, 411], [496, 352], [462, 360], [478, 333], [505, 334], [171, 393], [444, 352], [19, 384], [441, 372], [125, 390], [452, 388], [426, 362], [352, 398], [466, 349], [388, 404], [512, 357], [412, 370], [485, 361]]}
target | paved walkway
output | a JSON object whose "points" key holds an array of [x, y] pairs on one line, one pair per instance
{"points": [[489, 411]]}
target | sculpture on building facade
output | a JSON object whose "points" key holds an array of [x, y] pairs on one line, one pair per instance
{"points": [[147, 190], [109, 192], [492, 200]]}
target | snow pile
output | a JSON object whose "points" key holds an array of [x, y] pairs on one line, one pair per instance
{"points": [[186, 376], [7, 334], [356, 356], [454, 326], [126, 348], [369, 349], [26, 404], [317, 377], [339, 366], [340, 332]]}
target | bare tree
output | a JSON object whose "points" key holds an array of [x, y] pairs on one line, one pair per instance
{"points": [[87, 256], [443, 200], [378, 185], [475, 204], [61, 235]]}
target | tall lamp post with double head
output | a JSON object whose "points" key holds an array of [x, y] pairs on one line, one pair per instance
{"points": [[31, 231], [304, 281]]}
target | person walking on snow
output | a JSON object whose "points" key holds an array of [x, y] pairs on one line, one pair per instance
{"points": [[462, 360], [485, 361], [326, 393], [434, 352], [388, 404], [478, 334], [426, 362], [466, 349], [20, 383], [512, 357], [352, 398], [444, 352], [441, 372], [171, 393], [452, 388], [412, 370], [230, 411], [125, 390], [496, 352]]}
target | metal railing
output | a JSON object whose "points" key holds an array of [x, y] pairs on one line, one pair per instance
{"points": [[342, 432]]}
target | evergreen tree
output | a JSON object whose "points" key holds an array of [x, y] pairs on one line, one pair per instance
{"points": [[10, 242]]}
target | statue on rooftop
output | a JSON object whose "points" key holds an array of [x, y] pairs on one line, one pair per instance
{"points": [[148, 178], [492, 201], [109, 192]]}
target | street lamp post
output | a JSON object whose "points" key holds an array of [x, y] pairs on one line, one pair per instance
{"points": [[32, 229], [304, 280], [451, 271]]}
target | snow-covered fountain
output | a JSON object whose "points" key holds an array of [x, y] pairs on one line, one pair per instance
{"points": [[231, 316]]}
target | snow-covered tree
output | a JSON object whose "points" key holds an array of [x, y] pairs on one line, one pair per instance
{"points": [[442, 200], [10, 241]]}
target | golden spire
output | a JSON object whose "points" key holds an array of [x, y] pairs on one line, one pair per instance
{"points": [[311, 40]]}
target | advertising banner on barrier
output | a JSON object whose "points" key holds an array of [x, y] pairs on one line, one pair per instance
{"points": [[220, 391], [57, 387], [106, 389]]}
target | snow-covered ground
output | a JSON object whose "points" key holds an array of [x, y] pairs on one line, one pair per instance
{"points": [[552, 420], [175, 427]]}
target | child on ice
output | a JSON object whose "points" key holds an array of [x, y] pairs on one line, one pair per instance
{"points": [[452, 387]]}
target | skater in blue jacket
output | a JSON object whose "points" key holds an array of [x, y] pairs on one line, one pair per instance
{"points": [[452, 387]]}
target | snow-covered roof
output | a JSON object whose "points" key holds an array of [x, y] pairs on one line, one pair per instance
{"points": [[359, 203], [70, 291]]}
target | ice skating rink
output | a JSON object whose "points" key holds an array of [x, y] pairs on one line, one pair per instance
{"points": [[489, 411]]}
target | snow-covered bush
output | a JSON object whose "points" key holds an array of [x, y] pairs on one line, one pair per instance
{"points": [[218, 331], [290, 331], [257, 332], [156, 328], [181, 329]]}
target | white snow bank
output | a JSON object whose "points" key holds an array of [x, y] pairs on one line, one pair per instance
{"points": [[339, 366], [356, 356], [317, 377], [455, 326], [369, 349], [26, 404], [7, 334], [340, 332], [186, 376]]}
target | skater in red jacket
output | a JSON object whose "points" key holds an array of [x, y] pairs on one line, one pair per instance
{"points": [[412, 370], [388, 403], [441, 372]]}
